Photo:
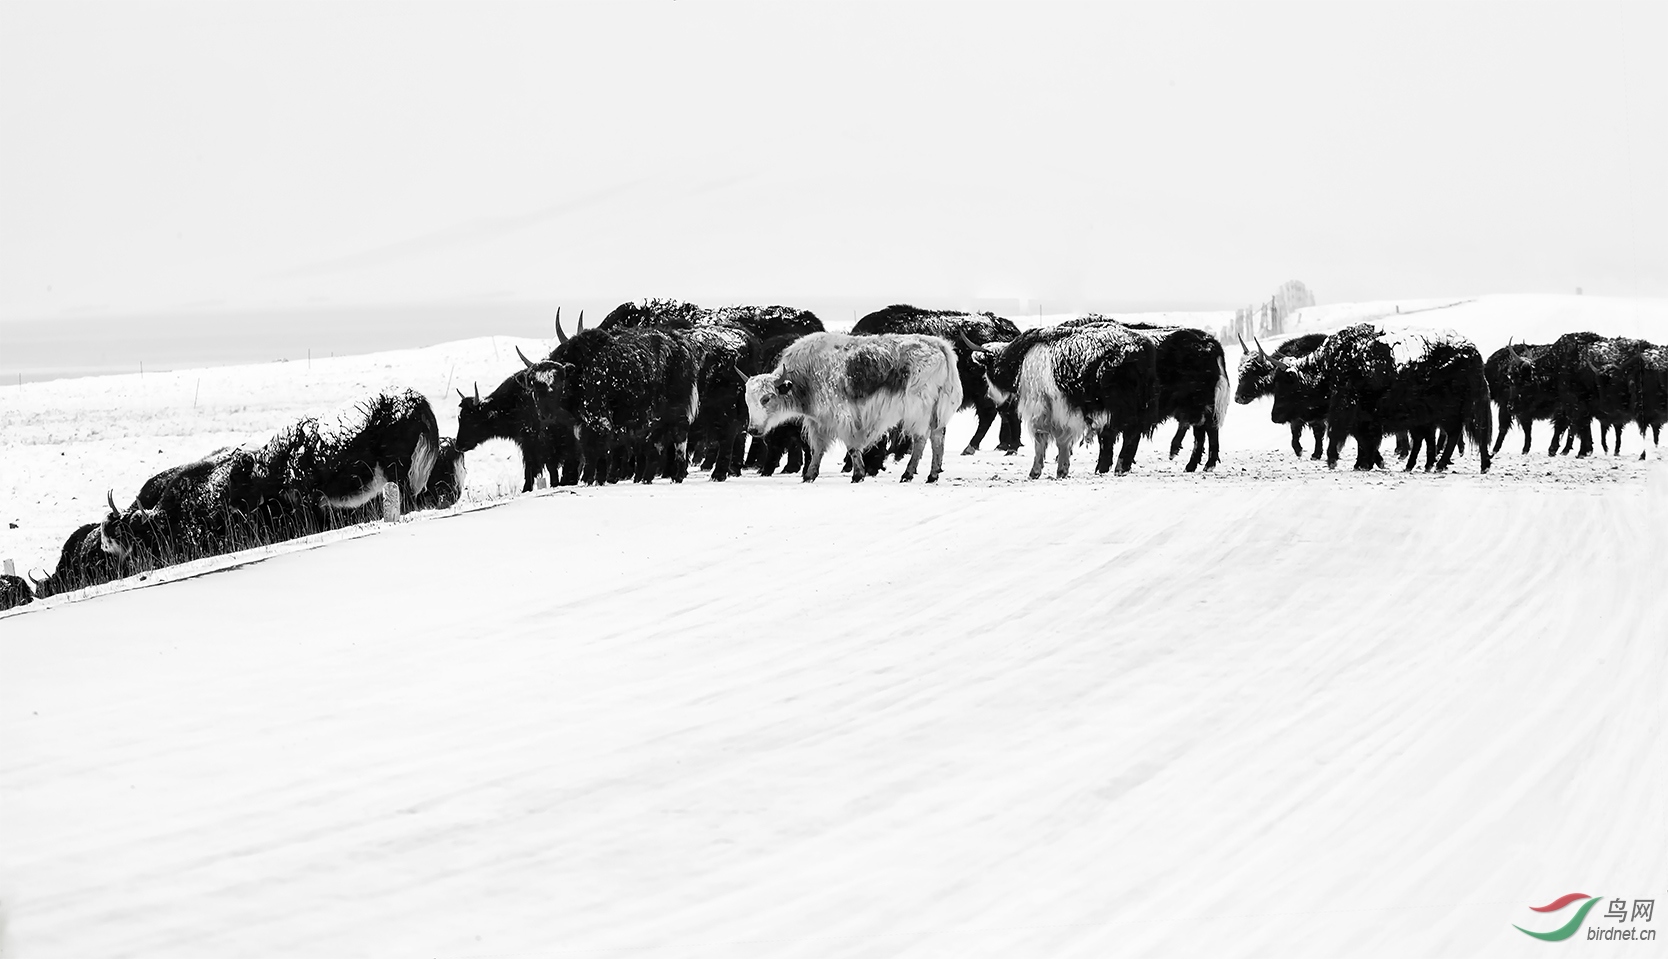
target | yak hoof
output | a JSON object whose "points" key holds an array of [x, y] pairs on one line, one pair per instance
{"points": [[1192, 468], [1012, 452], [719, 476], [971, 449], [1036, 473], [906, 477], [856, 477], [932, 477]]}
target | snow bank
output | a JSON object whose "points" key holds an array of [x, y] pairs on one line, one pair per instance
{"points": [[1047, 719]]}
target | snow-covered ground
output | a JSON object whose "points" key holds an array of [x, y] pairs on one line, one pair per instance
{"points": [[1275, 710]]}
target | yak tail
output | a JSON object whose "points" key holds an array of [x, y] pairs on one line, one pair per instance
{"points": [[1479, 419], [1224, 394], [425, 452], [949, 399]]}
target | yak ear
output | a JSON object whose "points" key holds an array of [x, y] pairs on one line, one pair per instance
{"points": [[784, 386]]}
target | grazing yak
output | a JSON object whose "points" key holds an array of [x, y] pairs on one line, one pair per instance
{"points": [[14, 592], [632, 393], [296, 482], [853, 389], [82, 562], [1307, 410], [964, 331], [1071, 380], [1381, 381], [1192, 388], [446, 480], [522, 410]]}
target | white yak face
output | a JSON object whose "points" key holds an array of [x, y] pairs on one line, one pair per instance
{"points": [[770, 402]]}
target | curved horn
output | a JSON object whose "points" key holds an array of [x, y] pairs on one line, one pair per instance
{"points": [[1515, 354], [524, 360], [110, 497], [39, 581], [461, 396], [737, 367], [581, 323], [1242, 347], [561, 337], [477, 391], [967, 344], [1260, 351]]}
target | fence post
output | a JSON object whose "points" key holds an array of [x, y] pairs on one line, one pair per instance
{"points": [[11, 570]]}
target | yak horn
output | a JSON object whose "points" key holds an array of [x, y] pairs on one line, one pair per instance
{"points": [[581, 323], [461, 396], [524, 360], [968, 344], [477, 391], [561, 337], [110, 497], [1260, 351], [39, 581], [1242, 347]]}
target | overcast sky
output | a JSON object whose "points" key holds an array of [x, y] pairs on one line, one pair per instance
{"points": [[164, 156]]}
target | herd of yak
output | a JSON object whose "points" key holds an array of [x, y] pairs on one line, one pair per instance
{"points": [[661, 384]]}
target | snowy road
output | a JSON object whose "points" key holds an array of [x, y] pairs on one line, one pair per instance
{"points": [[764, 719]]}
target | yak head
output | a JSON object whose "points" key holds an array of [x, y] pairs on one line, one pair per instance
{"points": [[536, 392], [772, 399], [982, 358], [123, 534], [973, 367], [1256, 373]]}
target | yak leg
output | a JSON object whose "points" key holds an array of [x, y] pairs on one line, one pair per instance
{"points": [[1176, 442], [1401, 442], [1007, 436], [1586, 428], [391, 502], [1062, 462], [1505, 425], [1213, 437], [1604, 436], [1430, 456], [1040, 441], [855, 457], [1367, 456], [1132, 442], [1618, 450], [917, 446], [1198, 448], [1297, 438], [1413, 451], [725, 455], [986, 411], [1319, 429], [937, 454], [1108, 445], [816, 445], [1528, 433]]}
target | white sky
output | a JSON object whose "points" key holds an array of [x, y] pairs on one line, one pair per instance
{"points": [[153, 157]]}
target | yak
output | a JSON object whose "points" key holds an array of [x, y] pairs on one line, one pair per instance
{"points": [[854, 389], [1070, 380]]}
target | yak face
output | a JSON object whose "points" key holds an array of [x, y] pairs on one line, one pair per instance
{"points": [[535, 392], [124, 534], [772, 399], [1256, 377], [984, 360]]}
